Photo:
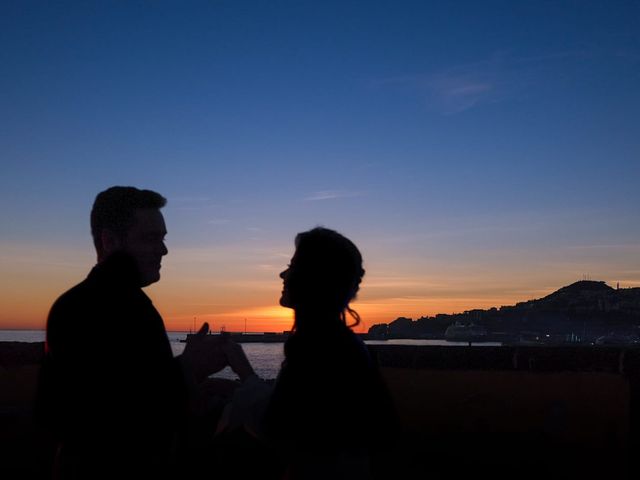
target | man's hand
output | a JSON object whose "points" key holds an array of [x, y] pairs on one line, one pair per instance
{"points": [[237, 360], [203, 354]]}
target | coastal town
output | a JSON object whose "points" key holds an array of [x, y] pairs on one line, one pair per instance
{"points": [[586, 312]]}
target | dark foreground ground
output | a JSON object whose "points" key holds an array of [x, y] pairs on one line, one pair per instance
{"points": [[501, 412]]}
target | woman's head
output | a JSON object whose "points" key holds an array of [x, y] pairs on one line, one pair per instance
{"points": [[324, 274]]}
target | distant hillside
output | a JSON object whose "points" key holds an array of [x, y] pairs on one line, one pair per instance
{"points": [[590, 307]]}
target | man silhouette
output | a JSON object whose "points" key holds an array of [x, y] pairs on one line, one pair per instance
{"points": [[111, 393]]}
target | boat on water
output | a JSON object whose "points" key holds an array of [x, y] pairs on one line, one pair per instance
{"points": [[465, 332]]}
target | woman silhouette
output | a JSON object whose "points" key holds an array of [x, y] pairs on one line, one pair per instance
{"points": [[330, 412]]}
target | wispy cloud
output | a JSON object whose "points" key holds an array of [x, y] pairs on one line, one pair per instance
{"points": [[457, 92], [452, 90], [458, 88], [330, 195]]}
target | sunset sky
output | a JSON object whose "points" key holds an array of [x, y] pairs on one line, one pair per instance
{"points": [[478, 153]]}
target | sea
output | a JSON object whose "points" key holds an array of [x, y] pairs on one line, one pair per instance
{"points": [[265, 357]]}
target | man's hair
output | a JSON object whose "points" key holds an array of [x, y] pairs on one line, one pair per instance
{"points": [[115, 208]]}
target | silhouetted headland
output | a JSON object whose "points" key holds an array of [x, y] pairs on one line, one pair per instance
{"points": [[585, 312]]}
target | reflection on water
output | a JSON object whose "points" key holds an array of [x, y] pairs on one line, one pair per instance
{"points": [[265, 357], [22, 335]]}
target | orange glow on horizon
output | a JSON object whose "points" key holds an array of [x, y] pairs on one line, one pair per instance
{"points": [[227, 288], [266, 318], [19, 313], [256, 319], [278, 319]]}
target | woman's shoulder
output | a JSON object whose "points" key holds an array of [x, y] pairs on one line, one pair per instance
{"points": [[339, 347]]}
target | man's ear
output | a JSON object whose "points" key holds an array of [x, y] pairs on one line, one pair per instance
{"points": [[111, 242]]}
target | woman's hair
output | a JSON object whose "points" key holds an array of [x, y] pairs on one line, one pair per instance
{"points": [[328, 270]]}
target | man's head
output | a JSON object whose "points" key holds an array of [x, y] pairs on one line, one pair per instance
{"points": [[126, 219]]}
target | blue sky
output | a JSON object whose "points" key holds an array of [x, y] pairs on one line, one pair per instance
{"points": [[477, 152]]}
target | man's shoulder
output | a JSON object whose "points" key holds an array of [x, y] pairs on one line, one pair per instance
{"points": [[70, 305], [95, 299], [75, 296]]}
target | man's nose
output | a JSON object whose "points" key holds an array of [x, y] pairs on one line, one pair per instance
{"points": [[164, 250]]}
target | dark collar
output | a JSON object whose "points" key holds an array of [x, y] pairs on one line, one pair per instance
{"points": [[119, 269]]}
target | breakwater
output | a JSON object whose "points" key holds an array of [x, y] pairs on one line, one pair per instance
{"points": [[240, 337], [266, 337]]}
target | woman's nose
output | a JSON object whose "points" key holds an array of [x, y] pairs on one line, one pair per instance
{"points": [[284, 273]]}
